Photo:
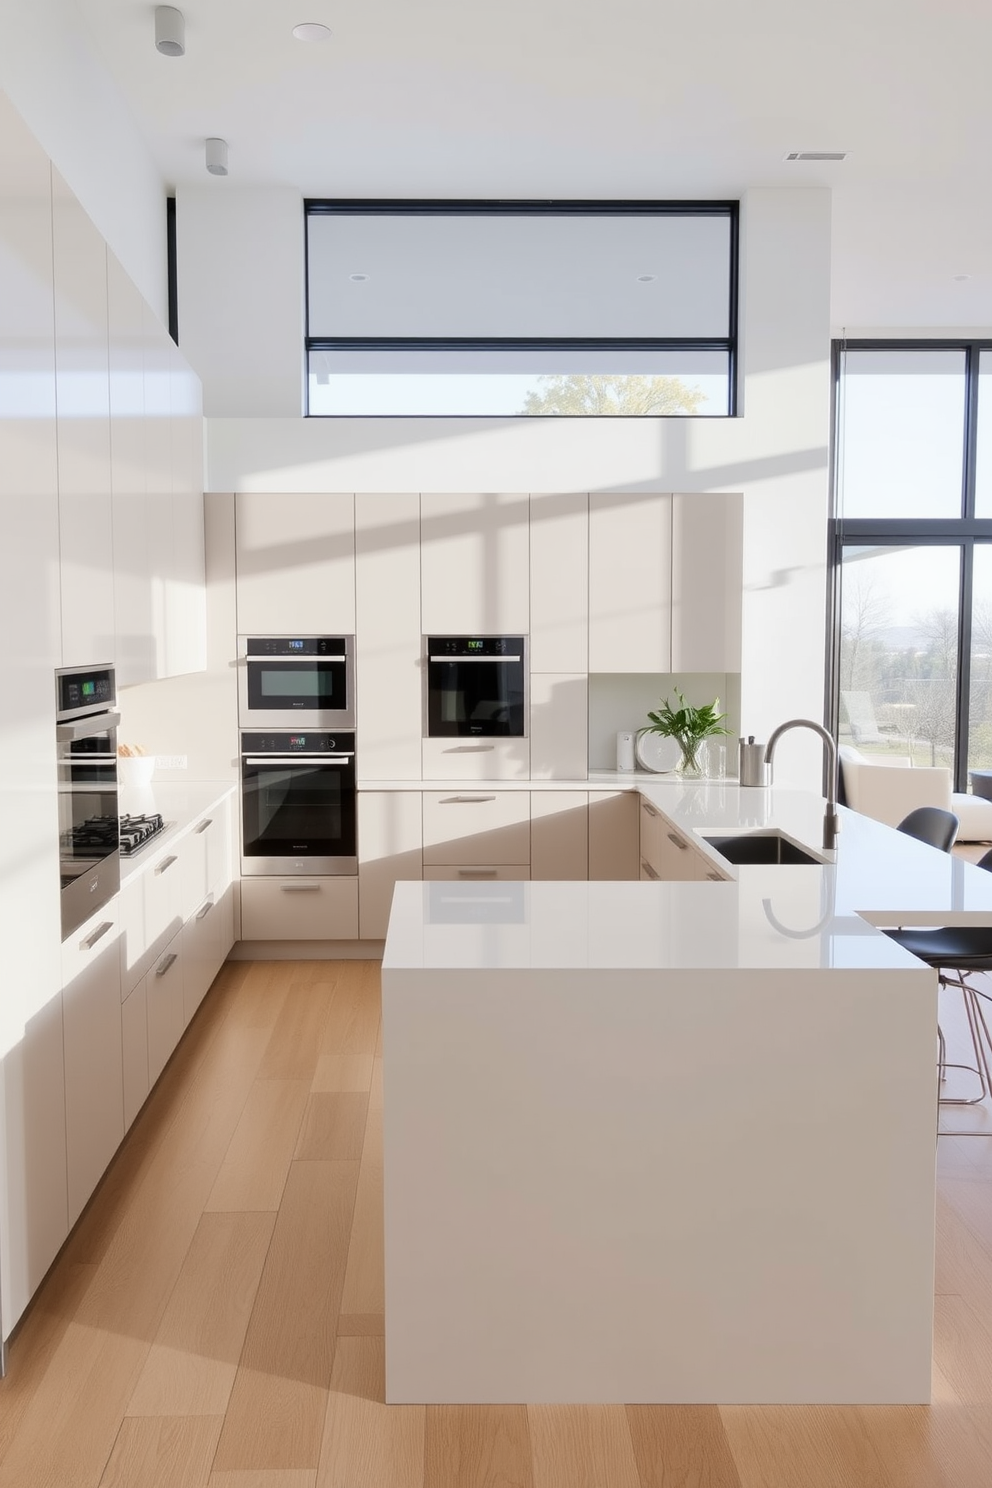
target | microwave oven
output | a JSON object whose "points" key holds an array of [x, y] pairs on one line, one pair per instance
{"points": [[296, 682], [476, 687]]}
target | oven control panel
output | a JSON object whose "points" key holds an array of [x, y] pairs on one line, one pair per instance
{"points": [[298, 646], [305, 742]]}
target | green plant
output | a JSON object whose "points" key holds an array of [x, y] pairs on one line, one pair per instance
{"points": [[687, 725]]}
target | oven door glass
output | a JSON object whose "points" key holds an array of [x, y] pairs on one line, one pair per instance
{"points": [[317, 684], [298, 809], [87, 797], [475, 699]]}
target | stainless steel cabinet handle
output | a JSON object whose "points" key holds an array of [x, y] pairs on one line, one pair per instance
{"points": [[300, 888], [98, 934], [202, 913], [477, 872], [463, 800], [646, 806], [203, 825], [166, 863], [165, 963], [680, 842], [649, 870], [469, 748], [717, 877]]}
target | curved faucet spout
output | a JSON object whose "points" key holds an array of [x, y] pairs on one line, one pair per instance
{"points": [[831, 817]]}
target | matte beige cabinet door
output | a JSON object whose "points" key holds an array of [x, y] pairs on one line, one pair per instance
{"points": [[158, 478], [559, 583], [185, 594], [137, 647], [390, 847], [559, 835], [559, 726], [91, 1026], [388, 647], [299, 909], [469, 826], [166, 1020], [475, 564], [630, 582], [295, 559], [613, 835], [82, 383], [707, 582], [134, 1043]]}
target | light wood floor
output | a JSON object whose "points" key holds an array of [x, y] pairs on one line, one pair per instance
{"points": [[216, 1318]]}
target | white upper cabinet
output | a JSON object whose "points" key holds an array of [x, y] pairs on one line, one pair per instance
{"points": [[559, 583], [707, 595], [475, 566], [630, 582], [387, 595], [185, 597], [83, 422], [295, 558], [136, 646]]}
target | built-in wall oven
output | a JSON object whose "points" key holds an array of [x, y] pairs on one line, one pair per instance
{"points": [[86, 744], [296, 682], [298, 810], [476, 687]]}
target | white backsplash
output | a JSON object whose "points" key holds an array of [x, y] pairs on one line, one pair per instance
{"points": [[621, 700]]}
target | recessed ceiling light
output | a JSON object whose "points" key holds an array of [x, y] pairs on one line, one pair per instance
{"points": [[646, 278], [961, 277], [311, 31], [358, 278], [170, 31]]}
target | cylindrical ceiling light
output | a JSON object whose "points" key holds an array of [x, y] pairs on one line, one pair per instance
{"points": [[170, 31], [216, 152]]}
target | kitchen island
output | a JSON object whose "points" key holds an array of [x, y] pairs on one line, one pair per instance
{"points": [[669, 1141]]}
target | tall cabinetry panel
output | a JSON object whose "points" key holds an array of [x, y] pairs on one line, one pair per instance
{"points": [[630, 582], [158, 478], [475, 563], [295, 558], [33, 1213], [94, 1084], [185, 598], [707, 568], [136, 646], [390, 847], [387, 598], [559, 583], [82, 390]]}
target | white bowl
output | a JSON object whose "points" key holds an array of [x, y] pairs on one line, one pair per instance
{"points": [[135, 771]]}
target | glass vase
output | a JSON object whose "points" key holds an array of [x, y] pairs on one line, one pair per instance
{"points": [[692, 765]]}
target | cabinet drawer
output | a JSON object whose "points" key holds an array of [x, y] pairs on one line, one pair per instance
{"points": [[164, 993], [206, 857], [134, 1044], [151, 913], [299, 909], [478, 873], [476, 827], [463, 759]]}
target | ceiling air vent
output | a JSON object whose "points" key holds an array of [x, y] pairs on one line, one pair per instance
{"points": [[817, 155]]}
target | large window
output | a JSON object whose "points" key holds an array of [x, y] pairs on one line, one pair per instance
{"points": [[583, 309], [912, 663]]}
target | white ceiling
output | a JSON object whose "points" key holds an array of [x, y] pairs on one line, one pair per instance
{"points": [[581, 98]]}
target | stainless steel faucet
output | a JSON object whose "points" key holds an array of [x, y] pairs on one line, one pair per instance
{"points": [[831, 817]]}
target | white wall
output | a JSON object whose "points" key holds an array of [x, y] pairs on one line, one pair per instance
{"points": [[66, 96], [776, 453]]}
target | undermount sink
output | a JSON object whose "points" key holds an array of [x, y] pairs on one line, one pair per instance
{"points": [[760, 847]]}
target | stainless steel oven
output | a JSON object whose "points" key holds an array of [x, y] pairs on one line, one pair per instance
{"points": [[298, 810], [475, 687], [86, 743], [296, 682]]}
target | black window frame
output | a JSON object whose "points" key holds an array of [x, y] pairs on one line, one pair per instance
{"points": [[356, 206], [965, 531]]}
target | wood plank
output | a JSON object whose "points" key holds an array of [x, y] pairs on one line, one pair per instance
{"points": [[964, 1264], [290, 1477], [253, 1173], [582, 1446], [352, 1025], [163, 1452], [963, 1350], [191, 1367], [364, 1282], [477, 1446], [296, 1040], [361, 1325], [333, 1126], [276, 1413], [342, 1072], [37, 1342], [681, 1446], [816, 1446], [368, 1444]]}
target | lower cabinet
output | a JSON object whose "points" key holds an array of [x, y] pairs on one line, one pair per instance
{"points": [[559, 834], [91, 1028], [613, 835], [299, 909], [164, 1003], [469, 873], [207, 936], [668, 852], [134, 1049], [390, 848]]}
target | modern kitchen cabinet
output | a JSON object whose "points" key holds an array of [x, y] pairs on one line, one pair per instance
{"points": [[134, 619], [295, 563], [134, 1051], [559, 834], [387, 635], [164, 1006], [91, 1026], [390, 847], [82, 386], [613, 834], [185, 598], [559, 582], [559, 725], [299, 908], [668, 852], [475, 563], [468, 759], [707, 568], [476, 827], [630, 582]]}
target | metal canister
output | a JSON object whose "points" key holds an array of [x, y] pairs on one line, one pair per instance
{"points": [[752, 769]]}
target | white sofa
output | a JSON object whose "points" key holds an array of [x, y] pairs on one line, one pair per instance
{"points": [[889, 788]]}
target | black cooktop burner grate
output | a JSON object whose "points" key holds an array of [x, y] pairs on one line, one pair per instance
{"points": [[136, 831]]}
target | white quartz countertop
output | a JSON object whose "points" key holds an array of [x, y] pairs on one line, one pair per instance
{"points": [[180, 805], [802, 916]]}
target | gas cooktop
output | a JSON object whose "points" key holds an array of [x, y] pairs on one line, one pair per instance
{"points": [[137, 831]]}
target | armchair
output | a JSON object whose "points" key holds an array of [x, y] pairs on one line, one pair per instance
{"points": [[891, 787]]}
